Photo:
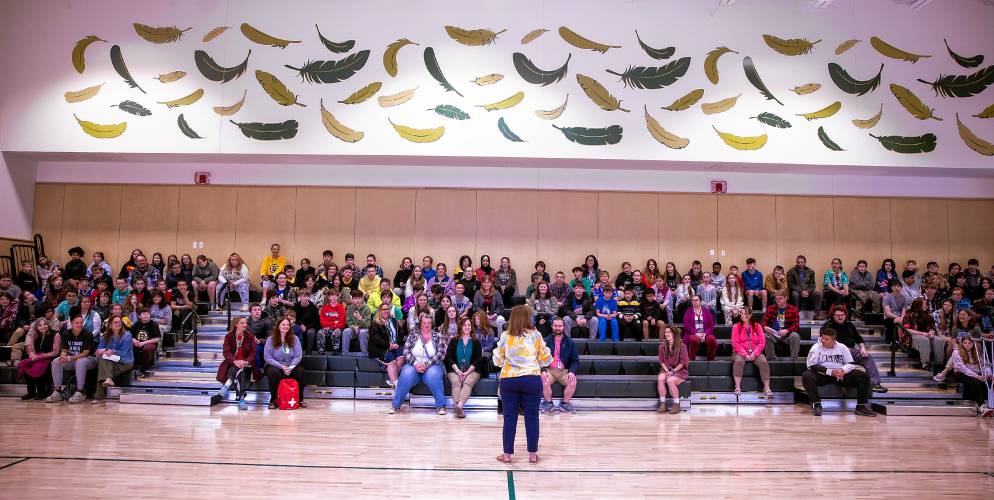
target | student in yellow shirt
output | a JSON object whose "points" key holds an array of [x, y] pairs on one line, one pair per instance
{"points": [[376, 298], [271, 266], [370, 283]]}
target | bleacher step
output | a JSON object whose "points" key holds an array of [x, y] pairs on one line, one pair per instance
{"points": [[163, 398], [926, 408]]}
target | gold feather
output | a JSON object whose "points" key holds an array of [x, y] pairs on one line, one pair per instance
{"points": [[263, 38], [82, 95], [276, 89], [825, 112], [101, 131], [711, 108], [418, 135], [662, 135], [390, 55], [337, 129], [986, 113], [888, 50], [488, 79], [572, 38], [869, 122], [846, 45], [185, 100], [711, 63], [686, 101], [532, 35], [159, 35], [792, 47], [598, 94], [807, 88], [742, 143], [475, 37], [912, 103], [214, 33], [552, 114], [230, 110], [171, 77], [504, 103], [363, 94], [397, 99], [79, 52], [972, 141]]}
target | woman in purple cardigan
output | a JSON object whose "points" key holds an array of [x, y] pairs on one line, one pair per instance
{"points": [[673, 363], [698, 326]]}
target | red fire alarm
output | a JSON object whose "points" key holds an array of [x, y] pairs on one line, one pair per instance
{"points": [[205, 178], [719, 187]]}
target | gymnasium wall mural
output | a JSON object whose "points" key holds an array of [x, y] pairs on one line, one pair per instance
{"points": [[775, 82]]}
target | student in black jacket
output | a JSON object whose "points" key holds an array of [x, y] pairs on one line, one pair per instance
{"points": [[309, 319], [578, 311], [386, 341], [629, 315], [653, 317], [849, 336]]}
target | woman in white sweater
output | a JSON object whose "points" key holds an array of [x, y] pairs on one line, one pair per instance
{"points": [[234, 276]]}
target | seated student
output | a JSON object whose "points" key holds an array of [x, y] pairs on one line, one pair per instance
{"points": [[629, 315], [25, 279], [696, 273], [775, 282], [540, 273], [121, 291], [964, 326], [460, 301], [75, 354], [591, 268], [376, 298], [606, 309], [544, 307], [43, 344], [160, 286], [464, 262], [370, 282], [237, 368], [623, 279], [907, 288], [559, 288], [638, 288], [309, 319], [781, 323], [684, 291], [442, 279], [578, 277], [598, 288], [100, 278], [984, 308], [650, 273], [284, 292], [848, 335], [959, 298], [75, 269], [653, 317], [442, 311], [205, 273], [485, 270], [664, 297], [449, 326], [974, 374], [673, 363], [886, 274], [175, 274], [61, 312], [350, 264], [271, 266], [698, 326], [357, 318], [419, 307], [491, 302], [895, 307], [973, 275], [183, 304], [863, 287], [733, 299], [752, 283], [115, 355], [709, 293], [385, 339], [487, 337], [830, 362], [415, 280], [932, 273], [919, 323], [283, 354], [506, 280], [578, 311], [427, 266], [424, 353], [801, 285], [836, 285], [233, 277], [469, 282], [348, 283], [463, 358], [565, 363], [371, 261], [403, 275], [145, 338], [748, 343], [160, 310], [305, 270], [333, 321]]}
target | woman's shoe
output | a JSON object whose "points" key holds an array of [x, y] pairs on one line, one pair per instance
{"points": [[303, 404], [738, 392], [460, 413], [440, 410], [393, 410], [242, 405]]}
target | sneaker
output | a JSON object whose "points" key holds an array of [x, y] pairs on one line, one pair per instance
{"points": [[244, 307], [440, 410], [78, 397], [879, 388], [546, 407], [224, 391], [865, 411], [55, 397], [986, 412], [567, 407], [662, 408], [320, 352], [391, 383], [940, 377], [393, 410], [242, 405], [816, 409]]}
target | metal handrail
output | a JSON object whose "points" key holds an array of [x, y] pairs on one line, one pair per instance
{"points": [[193, 320]]}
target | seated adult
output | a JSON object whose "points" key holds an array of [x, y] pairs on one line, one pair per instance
{"points": [[801, 284], [848, 335], [237, 368], [863, 286], [385, 342], [748, 342], [781, 322], [43, 344], [205, 273], [76, 354], [836, 285], [490, 301], [463, 359], [673, 363], [698, 326], [830, 362], [233, 277], [424, 353], [115, 355], [145, 338], [565, 363], [973, 374], [283, 354]]}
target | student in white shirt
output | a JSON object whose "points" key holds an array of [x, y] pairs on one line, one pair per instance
{"points": [[830, 362]]}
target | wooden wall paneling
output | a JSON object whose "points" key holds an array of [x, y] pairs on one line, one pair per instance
{"points": [[47, 217], [325, 219], [805, 226], [862, 230], [627, 229], [445, 225], [264, 215], [970, 234], [919, 230], [384, 226], [567, 231], [91, 218], [507, 226], [207, 214], [149, 216], [688, 230], [746, 228]]}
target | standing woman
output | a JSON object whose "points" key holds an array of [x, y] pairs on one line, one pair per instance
{"points": [[43, 345], [237, 369], [424, 353], [673, 363], [748, 342], [116, 341], [283, 355], [506, 280], [521, 353], [462, 361]]}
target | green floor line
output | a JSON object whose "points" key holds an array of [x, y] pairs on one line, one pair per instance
{"points": [[510, 485]]}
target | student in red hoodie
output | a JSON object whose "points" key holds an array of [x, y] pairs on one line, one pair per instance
{"points": [[332, 323]]}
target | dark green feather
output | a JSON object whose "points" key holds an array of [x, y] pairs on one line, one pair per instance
{"points": [[908, 145], [506, 131], [336, 47], [133, 108], [436, 72], [186, 129], [664, 53], [850, 85], [753, 76], [654, 77], [962, 85], [772, 120], [450, 111], [966, 62], [828, 142], [268, 131], [592, 136], [117, 60], [332, 71], [214, 71], [531, 74]]}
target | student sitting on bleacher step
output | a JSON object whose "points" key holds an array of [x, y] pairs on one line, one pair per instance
{"points": [[848, 335], [830, 362]]}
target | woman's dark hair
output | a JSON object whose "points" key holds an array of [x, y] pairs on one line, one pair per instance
{"points": [[587, 269], [893, 265]]}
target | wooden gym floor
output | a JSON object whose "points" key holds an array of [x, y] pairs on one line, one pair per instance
{"points": [[352, 449]]}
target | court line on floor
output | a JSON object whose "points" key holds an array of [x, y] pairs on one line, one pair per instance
{"points": [[22, 460], [510, 485], [455, 469]]}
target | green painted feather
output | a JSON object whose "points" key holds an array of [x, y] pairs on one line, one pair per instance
{"points": [[772, 120], [186, 129], [966, 62], [506, 131], [850, 85], [450, 111], [664, 53], [753, 76], [642, 77], [962, 85], [828, 142], [436, 72], [268, 131], [592, 136], [532, 74], [907, 145], [133, 108], [336, 47], [332, 71]]}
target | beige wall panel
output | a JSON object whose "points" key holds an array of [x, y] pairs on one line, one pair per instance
{"points": [[445, 225], [384, 226], [567, 228], [325, 219], [207, 214], [47, 217], [919, 230], [805, 226], [746, 228], [862, 230], [970, 234], [627, 229], [507, 226], [149, 217], [688, 230], [91, 218], [264, 216]]}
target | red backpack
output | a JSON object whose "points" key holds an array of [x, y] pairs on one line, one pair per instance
{"points": [[288, 394]]}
